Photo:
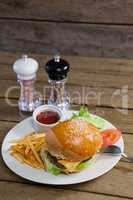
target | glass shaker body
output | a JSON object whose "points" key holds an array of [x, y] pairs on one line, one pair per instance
{"points": [[26, 69], [57, 70], [58, 94], [29, 99]]}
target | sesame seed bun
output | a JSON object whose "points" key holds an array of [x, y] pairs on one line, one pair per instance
{"points": [[73, 140]]}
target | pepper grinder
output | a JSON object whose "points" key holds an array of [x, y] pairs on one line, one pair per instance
{"points": [[26, 69], [57, 70]]}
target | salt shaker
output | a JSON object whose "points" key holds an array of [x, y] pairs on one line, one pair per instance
{"points": [[57, 70], [26, 69]]}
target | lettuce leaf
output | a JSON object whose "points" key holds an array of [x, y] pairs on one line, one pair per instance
{"points": [[53, 169], [83, 112], [84, 165], [95, 120]]}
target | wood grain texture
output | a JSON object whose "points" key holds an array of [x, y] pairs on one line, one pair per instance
{"points": [[99, 72], [100, 82], [69, 39], [88, 95], [89, 11], [88, 28], [35, 192], [98, 75], [117, 116], [116, 65], [123, 171]]}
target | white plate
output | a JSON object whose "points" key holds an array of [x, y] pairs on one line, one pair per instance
{"points": [[100, 165]]}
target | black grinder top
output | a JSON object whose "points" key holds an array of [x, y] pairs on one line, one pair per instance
{"points": [[57, 68]]}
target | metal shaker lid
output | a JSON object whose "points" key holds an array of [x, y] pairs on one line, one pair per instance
{"points": [[57, 68]]}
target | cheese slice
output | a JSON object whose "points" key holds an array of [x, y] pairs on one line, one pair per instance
{"points": [[69, 165]]}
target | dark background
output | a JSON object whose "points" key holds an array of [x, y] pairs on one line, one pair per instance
{"points": [[102, 28]]}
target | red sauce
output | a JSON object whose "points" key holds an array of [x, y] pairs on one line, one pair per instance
{"points": [[48, 117]]}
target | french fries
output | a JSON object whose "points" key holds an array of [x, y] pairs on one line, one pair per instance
{"points": [[27, 149]]}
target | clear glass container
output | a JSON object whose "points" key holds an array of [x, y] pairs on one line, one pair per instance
{"points": [[29, 98], [26, 69], [57, 70], [58, 94]]}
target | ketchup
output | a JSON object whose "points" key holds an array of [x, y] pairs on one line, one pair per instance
{"points": [[48, 117]]}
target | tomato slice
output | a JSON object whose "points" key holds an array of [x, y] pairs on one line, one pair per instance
{"points": [[110, 136]]}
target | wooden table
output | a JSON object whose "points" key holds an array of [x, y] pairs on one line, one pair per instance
{"points": [[95, 76]]}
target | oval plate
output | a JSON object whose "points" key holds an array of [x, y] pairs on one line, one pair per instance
{"points": [[101, 163]]}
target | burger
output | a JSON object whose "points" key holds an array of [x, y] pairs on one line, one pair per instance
{"points": [[70, 146]]}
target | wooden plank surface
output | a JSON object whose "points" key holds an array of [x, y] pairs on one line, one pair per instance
{"points": [[87, 64], [116, 116], [97, 189], [97, 96], [89, 11], [75, 39], [110, 75], [35, 192], [89, 28], [104, 76], [119, 188]]}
